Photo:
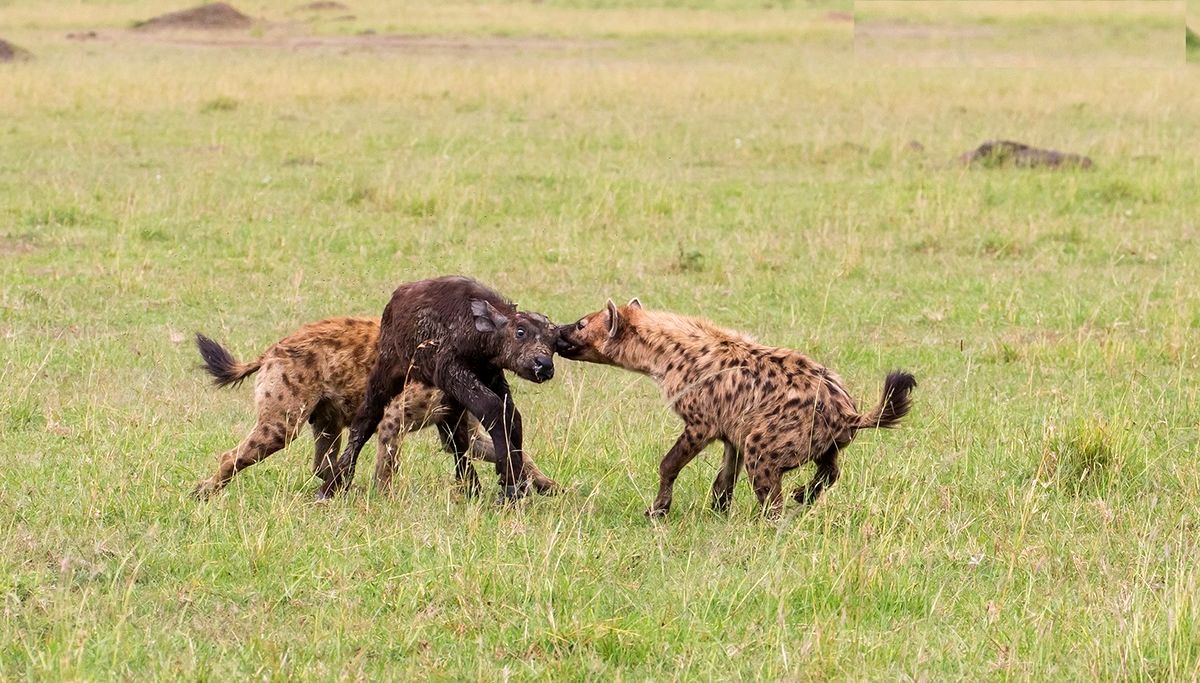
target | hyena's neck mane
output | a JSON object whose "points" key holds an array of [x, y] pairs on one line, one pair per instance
{"points": [[659, 343]]}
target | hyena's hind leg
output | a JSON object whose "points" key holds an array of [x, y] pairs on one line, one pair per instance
{"points": [[281, 414], [483, 449], [826, 475], [266, 438]]}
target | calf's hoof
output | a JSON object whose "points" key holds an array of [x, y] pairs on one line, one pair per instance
{"points": [[720, 505], [657, 512], [512, 492], [205, 490], [326, 492]]}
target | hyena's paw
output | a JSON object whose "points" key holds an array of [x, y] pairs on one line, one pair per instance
{"points": [[545, 486]]}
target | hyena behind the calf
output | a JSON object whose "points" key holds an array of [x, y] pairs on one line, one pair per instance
{"points": [[774, 408], [318, 374]]}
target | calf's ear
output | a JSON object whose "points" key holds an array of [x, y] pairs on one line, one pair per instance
{"points": [[487, 318], [614, 319], [635, 302]]}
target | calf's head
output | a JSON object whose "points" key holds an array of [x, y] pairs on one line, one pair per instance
{"points": [[520, 341], [596, 337]]}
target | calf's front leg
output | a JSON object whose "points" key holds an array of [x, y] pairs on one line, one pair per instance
{"points": [[491, 403]]}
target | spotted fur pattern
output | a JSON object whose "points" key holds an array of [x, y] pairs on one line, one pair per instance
{"points": [[318, 375], [773, 408]]}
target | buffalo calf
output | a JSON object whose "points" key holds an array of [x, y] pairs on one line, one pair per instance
{"points": [[459, 336]]}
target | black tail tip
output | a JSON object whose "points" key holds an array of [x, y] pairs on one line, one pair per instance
{"points": [[217, 361], [899, 383]]}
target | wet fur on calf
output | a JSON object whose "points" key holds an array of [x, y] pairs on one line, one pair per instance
{"points": [[318, 375], [457, 335], [773, 408]]}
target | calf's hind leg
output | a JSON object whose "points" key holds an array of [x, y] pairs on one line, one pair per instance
{"points": [[455, 433], [722, 488], [327, 433], [766, 476], [384, 384]]}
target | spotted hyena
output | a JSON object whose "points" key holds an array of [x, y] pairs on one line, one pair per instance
{"points": [[319, 375], [774, 408]]}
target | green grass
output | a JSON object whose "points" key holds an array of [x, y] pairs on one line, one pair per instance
{"points": [[1034, 519]]}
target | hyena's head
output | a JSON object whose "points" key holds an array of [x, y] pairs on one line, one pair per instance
{"points": [[521, 341], [597, 337]]}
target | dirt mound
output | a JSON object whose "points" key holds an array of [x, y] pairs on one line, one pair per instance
{"points": [[214, 16], [323, 5], [1008, 153], [12, 53]]}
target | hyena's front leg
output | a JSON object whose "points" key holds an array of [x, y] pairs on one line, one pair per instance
{"points": [[687, 446], [392, 430]]}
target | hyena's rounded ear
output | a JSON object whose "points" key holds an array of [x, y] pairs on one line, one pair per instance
{"points": [[635, 302], [487, 318], [614, 319]]}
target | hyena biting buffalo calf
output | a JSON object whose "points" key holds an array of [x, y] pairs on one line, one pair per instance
{"points": [[459, 336], [318, 375], [774, 408]]}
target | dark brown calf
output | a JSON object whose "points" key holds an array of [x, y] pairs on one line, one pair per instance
{"points": [[457, 335], [318, 375], [774, 408]]}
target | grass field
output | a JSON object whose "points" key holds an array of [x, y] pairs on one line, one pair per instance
{"points": [[1034, 519], [1019, 33]]}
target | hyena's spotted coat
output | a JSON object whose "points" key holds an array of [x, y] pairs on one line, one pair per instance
{"points": [[318, 375], [774, 408]]}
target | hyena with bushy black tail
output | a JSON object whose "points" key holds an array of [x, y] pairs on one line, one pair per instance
{"points": [[774, 408]]}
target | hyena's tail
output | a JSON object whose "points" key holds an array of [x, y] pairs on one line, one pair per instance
{"points": [[895, 402], [222, 365]]}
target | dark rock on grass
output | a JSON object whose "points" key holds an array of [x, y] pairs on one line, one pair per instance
{"points": [[12, 53], [214, 16], [995, 153]]}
